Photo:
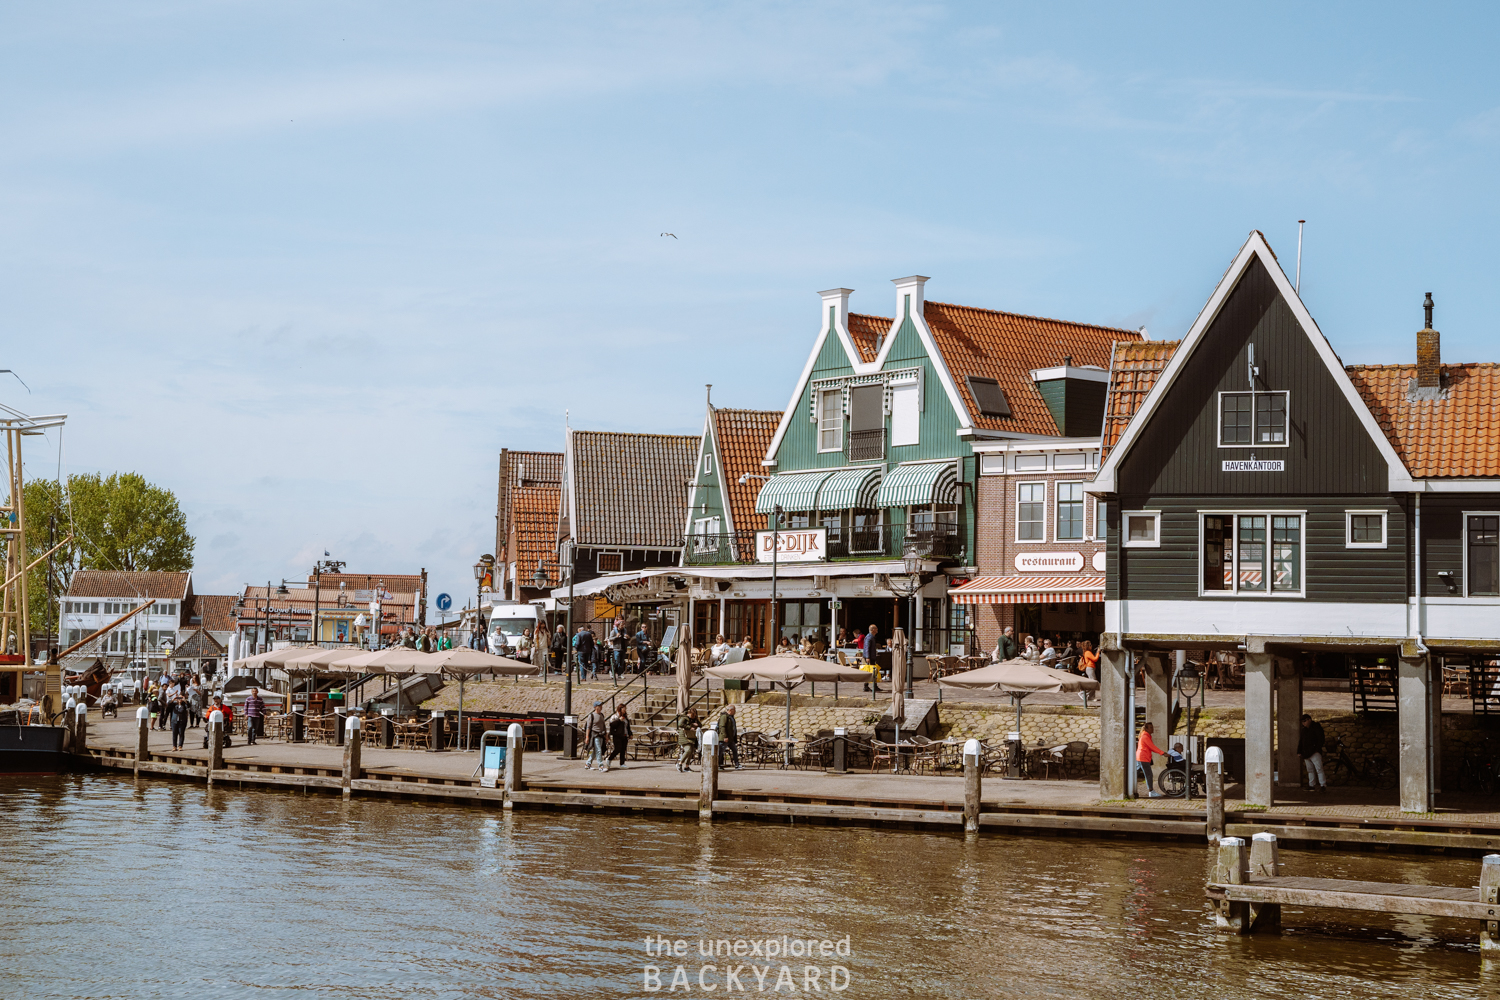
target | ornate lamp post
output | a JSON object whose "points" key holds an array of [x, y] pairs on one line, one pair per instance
{"points": [[912, 563]]}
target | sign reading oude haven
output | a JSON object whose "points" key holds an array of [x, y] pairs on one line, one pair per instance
{"points": [[799, 545]]}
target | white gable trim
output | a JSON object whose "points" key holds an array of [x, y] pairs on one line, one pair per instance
{"points": [[703, 446], [1399, 479], [837, 325]]}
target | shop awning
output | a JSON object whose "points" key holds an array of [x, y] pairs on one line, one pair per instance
{"points": [[850, 489], [793, 490], [1030, 590], [922, 483]]}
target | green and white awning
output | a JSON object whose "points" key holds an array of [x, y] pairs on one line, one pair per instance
{"points": [[850, 489], [922, 483], [792, 490]]}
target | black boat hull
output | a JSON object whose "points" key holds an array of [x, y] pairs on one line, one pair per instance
{"points": [[33, 750]]}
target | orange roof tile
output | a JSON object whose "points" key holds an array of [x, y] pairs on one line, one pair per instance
{"points": [[1454, 436], [534, 513], [129, 583], [212, 612], [1003, 346], [743, 436], [1133, 371]]}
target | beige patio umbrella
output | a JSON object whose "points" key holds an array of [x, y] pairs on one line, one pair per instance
{"points": [[314, 660], [462, 662], [786, 670], [898, 688], [1018, 678], [397, 660], [684, 664]]}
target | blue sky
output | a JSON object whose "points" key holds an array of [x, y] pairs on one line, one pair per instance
{"points": [[312, 265]]}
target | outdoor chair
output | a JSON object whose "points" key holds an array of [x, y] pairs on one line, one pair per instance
{"points": [[817, 753], [1074, 757]]}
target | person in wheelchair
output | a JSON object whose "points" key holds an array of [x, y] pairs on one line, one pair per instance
{"points": [[1178, 773]]}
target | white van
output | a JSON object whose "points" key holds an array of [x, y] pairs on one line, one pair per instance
{"points": [[508, 620]]}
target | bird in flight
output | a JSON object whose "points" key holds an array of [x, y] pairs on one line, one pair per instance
{"points": [[673, 235]]}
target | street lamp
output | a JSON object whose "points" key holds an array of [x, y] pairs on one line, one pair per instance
{"points": [[565, 567], [912, 563], [775, 608], [481, 569]]}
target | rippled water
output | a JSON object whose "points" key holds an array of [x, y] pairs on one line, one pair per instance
{"points": [[111, 888]]}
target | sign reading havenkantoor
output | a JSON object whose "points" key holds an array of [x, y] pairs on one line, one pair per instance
{"points": [[1264, 465], [1049, 562], [803, 545]]}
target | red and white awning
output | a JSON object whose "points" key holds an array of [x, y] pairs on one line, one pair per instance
{"points": [[1072, 589]]}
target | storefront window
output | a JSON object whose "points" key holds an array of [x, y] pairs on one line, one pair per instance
{"points": [[1252, 553]]}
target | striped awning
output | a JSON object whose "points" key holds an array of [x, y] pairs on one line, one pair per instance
{"points": [[850, 489], [793, 490], [920, 483], [1030, 590]]}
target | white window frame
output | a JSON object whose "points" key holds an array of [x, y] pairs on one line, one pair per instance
{"points": [[1031, 541], [706, 533], [835, 397], [1465, 545], [708, 463], [1268, 593], [1155, 543], [1219, 417], [1083, 525], [1350, 515]]}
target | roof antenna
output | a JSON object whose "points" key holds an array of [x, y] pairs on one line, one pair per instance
{"points": [[1300, 224]]}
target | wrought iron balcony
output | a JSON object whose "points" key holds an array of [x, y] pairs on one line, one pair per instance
{"points": [[866, 446]]}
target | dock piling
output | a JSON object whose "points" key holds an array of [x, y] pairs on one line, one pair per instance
{"points": [[709, 789], [1489, 930], [81, 728], [435, 732], [1265, 862], [840, 750], [1233, 868], [215, 743], [1213, 773], [70, 740], [972, 786], [352, 742], [515, 753], [142, 738]]}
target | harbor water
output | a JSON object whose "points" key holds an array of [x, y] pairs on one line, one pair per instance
{"points": [[116, 888]]}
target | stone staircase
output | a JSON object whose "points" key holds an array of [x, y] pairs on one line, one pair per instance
{"points": [[658, 707]]}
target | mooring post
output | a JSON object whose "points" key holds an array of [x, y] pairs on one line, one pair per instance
{"points": [[81, 728], [1265, 862], [299, 724], [1489, 930], [1233, 868], [339, 714], [352, 741], [972, 785], [388, 728], [709, 789], [69, 742], [142, 736], [215, 743], [515, 774], [840, 750], [435, 732], [1213, 772]]}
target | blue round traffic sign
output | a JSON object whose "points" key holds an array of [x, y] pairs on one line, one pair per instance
{"points": [[444, 602]]}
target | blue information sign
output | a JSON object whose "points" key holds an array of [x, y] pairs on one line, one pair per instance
{"points": [[444, 602]]}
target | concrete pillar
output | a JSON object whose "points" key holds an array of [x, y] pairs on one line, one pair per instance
{"points": [[352, 740], [81, 728], [1232, 868], [1114, 727], [1288, 721], [1159, 697], [1213, 773], [215, 743], [709, 789], [1260, 760], [142, 736], [973, 756], [1489, 930], [1414, 688], [1265, 862], [1435, 726], [515, 751]]}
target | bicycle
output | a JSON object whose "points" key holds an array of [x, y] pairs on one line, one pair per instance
{"points": [[1340, 769], [1477, 772]]}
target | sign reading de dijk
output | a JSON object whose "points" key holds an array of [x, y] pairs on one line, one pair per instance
{"points": [[1049, 562], [800, 545]]}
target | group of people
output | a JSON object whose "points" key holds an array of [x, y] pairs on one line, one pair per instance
{"points": [[1075, 656], [586, 654], [606, 737], [427, 640]]}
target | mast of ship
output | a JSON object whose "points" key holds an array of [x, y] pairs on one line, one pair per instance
{"points": [[15, 617]]}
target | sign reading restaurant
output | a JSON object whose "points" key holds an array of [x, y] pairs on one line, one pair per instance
{"points": [[1049, 562], [804, 545]]}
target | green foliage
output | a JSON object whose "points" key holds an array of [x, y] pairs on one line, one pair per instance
{"points": [[119, 522]]}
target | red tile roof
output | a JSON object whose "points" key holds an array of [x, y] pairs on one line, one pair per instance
{"points": [[1456, 435], [199, 644], [534, 514], [1133, 370], [1003, 346], [109, 583], [743, 436], [212, 610], [631, 489]]}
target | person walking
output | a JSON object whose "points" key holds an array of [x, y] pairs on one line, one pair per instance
{"points": [[687, 739], [595, 733], [619, 736], [195, 704], [1145, 750], [177, 710], [1310, 749], [255, 709], [584, 647], [618, 637], [869, 644], [645, 651], [729, 735]]}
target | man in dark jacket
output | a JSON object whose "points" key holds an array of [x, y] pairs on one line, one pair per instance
{"points": [[1006, 648], [619, 736], [595, 735], [729, 735], [687, 739], [1310, 749], [559, 650], [583, 645]]}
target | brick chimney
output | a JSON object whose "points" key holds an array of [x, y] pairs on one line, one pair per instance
{"points": [[1429, 353]]}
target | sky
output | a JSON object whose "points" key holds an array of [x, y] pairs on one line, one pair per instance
{"points": [[311, 266]]}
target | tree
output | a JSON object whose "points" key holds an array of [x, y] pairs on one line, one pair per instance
{"points": [[119, 522]]}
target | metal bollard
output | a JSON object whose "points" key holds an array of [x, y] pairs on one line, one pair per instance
{"points": [[340, 718], [435, 726], [1213, 771], [973, 756], [840, 750], [388, 728], [570, 736], [299, 725], [81, 728], [515, 752], [143, 736], [352, 742], [709, 789], [215, 743]]}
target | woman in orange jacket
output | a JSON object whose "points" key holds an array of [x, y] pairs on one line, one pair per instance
{"points": [[1144, 748]]}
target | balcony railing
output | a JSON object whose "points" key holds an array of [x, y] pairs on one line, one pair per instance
{"points": [[943, 542], [867, 446]]}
